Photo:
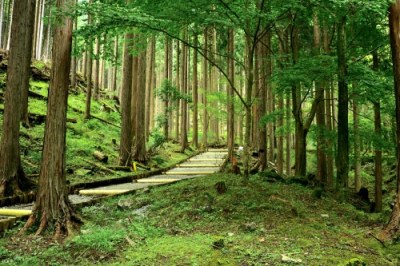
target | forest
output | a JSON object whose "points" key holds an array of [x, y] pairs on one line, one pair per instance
{"points": [[207, 132]]}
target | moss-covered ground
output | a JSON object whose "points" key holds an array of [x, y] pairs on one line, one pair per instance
{"points": [[189, 223], [84, 137]]}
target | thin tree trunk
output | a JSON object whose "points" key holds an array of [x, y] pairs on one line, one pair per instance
{"points": [[184, 90], [230, 96], [96, 70], [320, 113], [357, 151], [195, 95], [205, 85], [166, 97], [178, 84], [378, 151], [342, 161], [115, 66], [89, 71]]}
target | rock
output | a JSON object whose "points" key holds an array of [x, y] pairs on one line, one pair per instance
{"points": [[287, 259], [125, 204]]}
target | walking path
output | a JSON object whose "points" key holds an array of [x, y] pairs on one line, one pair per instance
{"points": [[205, 163]]}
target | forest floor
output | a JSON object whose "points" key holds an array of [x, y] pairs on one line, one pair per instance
{"points": [[84, 136], [190, 223]]}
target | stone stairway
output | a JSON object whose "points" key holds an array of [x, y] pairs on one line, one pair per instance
{"points": [[206, 163]]}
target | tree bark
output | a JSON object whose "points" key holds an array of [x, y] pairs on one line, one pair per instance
{"points": [[342, 160], [89, 71], [184, 90], [97, 70], [205, 85], [52, 205], [125, 155], [139, 153], [357, 150], [320, 110], [378, 152], [391, 230], [12, 176], [30, 16], [230, 96], [166, 97], [195, 94]]}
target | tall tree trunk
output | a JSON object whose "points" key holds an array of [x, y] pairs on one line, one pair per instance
{"points": [[89, 66], [391, 230], [357, 150], [30, 13], [178, 84], [288, 141], [149, 79], [115, 66], [135, 90], [230, 96], [342, 161], [74, 59], [205, 85], [378, 151], [184, 90], [329, 117], [166, 78], [153, 84], [139, 153], [302, 125], [125, 155], [52, 205], [249, 90], [195, 94], [320, 113], [12, 176], [96, 76]]}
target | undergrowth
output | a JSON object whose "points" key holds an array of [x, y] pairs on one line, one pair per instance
{"points": [[189, 223]]}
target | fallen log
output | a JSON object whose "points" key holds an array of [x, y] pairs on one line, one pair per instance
{"points": [[120, 168], [105, 169], [100, 156]]}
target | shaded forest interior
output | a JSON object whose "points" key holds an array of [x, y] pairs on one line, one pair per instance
{"points": [[304, 93]]}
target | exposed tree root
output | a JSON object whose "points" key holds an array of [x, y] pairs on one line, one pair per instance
{"points": [[392, 229]]}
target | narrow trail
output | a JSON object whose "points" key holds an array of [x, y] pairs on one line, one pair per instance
{"points": [[206, 163]]}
